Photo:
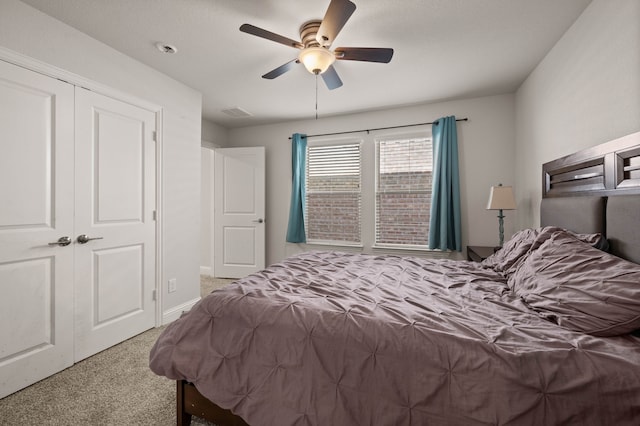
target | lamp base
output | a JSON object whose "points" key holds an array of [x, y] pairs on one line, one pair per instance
{"points": [[501, 227]]}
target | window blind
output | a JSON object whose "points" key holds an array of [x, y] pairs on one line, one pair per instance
{"points": [[333, 193]]}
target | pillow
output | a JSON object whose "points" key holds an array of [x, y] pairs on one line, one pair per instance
{"points": [[580, 287], [511, 251], [523, 242], [595, 240]]}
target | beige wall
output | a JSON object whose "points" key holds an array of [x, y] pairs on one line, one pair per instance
{"points": [[206, 213], [486, 148], [586, 91], [214, 135]]}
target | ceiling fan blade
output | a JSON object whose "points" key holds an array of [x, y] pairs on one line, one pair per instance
{"points": [[331, 78], [280, 70], [368, 54], [338, 13], [253, 30]]}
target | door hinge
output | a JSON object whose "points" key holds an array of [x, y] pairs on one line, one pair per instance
{"points": [[154, 136], [154, 215], [153, 295]]}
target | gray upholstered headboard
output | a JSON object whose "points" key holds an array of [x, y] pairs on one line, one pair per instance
{"points": [[623, 226], [616, 217], [585, 215], [597, 190]]}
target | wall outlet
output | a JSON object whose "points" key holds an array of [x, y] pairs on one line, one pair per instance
{"points": [[172, 285]]}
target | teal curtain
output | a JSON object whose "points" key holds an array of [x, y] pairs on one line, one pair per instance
{"points": [[295, 229], [444, 223]]}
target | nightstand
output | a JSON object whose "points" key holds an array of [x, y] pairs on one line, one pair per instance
{"points": [[479, 253]]}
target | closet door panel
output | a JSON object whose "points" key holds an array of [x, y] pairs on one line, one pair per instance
{"points": [[27, 136], [119, 172], [36, 210], [115, 202]]}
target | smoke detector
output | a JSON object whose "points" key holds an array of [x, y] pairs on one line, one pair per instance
{"points": [[166, 48]]}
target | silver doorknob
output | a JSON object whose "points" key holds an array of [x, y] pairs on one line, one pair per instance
{"points": [[259, 220], [84, 238], [62, 241]]}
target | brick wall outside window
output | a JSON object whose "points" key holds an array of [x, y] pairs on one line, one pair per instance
{"points": [[403, 191], [333, 217], [402, 208]]}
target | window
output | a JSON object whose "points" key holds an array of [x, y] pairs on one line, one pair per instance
{"points": [[333, 194], [403, 191], [384, 184]]}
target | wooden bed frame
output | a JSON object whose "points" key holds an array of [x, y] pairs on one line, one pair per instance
{"points": [[607, 169], [612, 168], [190, 402]]}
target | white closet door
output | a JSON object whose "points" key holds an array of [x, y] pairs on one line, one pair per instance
{"points": [[36, 208], [115, 203]]}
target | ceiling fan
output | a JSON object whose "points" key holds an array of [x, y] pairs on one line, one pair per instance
{"points": [[316, 38]]}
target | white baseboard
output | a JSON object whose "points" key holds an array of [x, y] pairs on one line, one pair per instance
{"points": [[175, 312], [206, 270]]}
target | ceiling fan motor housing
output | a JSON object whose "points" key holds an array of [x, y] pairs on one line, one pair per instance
{"points": [[308, 32]]}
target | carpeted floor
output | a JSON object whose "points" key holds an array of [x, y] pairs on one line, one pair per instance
{"points": [[113, 387]]}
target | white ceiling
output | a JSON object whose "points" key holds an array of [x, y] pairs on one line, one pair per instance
{"points": [[444, 49]]}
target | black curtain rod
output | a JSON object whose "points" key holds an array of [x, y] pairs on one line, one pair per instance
{"points": [[371, 130]]}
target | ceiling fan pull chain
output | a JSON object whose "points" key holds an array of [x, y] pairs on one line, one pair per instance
{"points": [[316, 96]]}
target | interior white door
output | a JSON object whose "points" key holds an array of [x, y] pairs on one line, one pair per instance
{"points": [[36, 208], [239, 207], [115, 202]]}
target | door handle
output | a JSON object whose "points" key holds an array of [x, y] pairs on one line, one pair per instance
{"points": [[84, 238], [261, 220], [62, 241]]}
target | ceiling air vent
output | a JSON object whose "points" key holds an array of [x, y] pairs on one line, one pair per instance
{"points": [[237, 112]]}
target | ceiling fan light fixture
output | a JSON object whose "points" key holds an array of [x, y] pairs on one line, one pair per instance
{"points": [[316, 59]]}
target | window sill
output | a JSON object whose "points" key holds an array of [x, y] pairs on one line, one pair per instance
{"points": [[404, 249], [335, 244], [381, 249]]}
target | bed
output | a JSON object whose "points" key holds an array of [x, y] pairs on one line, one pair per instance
{"points": [[543, 332]]}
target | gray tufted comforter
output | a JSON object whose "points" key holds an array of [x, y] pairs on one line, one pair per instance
{"points": [[326, 338]]}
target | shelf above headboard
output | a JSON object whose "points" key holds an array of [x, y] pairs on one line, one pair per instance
{"points": [[606, 169]]}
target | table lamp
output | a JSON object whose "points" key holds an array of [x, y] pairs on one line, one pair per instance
{"points": [[501, 198]]}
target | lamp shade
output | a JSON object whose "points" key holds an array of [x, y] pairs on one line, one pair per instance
{"points": [[501, 198], [316, 59]]}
